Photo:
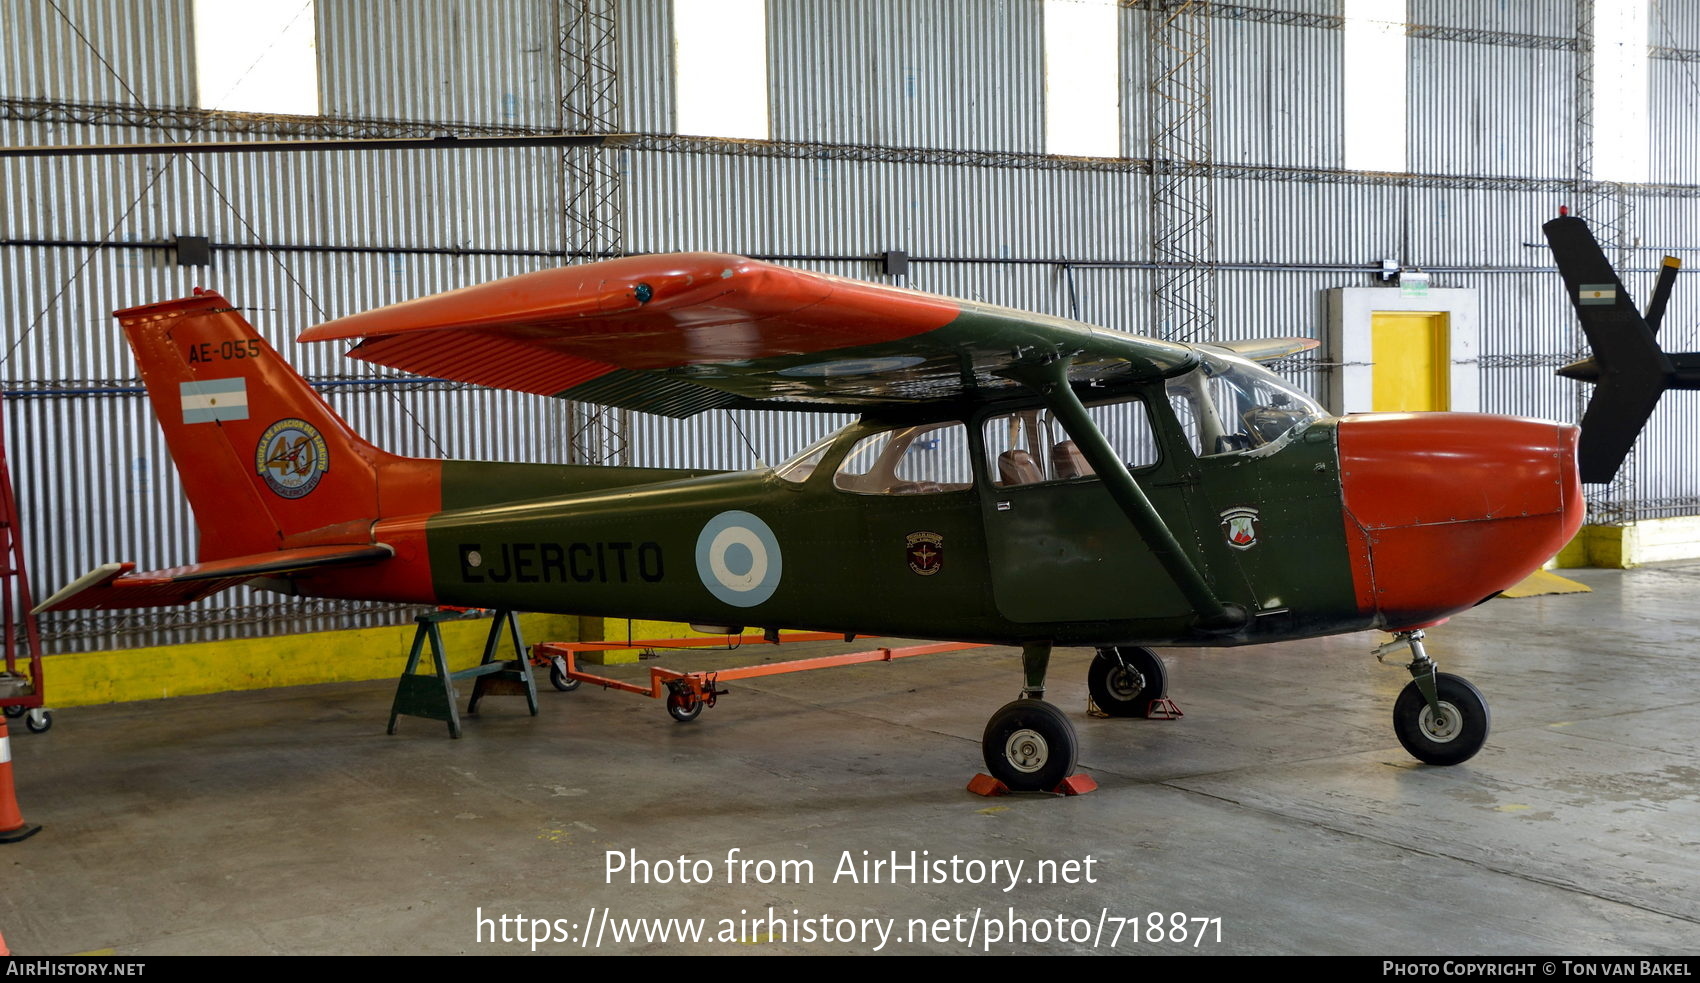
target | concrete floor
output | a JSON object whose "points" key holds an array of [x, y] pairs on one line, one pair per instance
{"points": [[288, 822]]}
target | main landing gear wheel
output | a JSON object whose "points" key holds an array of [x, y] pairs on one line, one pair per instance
{"points": [[1449, 737], [683, 707], [560, 680], [1126, 687], [1030, 746]]}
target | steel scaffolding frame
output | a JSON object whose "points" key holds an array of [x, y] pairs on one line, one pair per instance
{"points": [[1183, 186], [593, 223]]}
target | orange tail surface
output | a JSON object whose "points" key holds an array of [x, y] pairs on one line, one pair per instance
{"points": [[262, 456]]}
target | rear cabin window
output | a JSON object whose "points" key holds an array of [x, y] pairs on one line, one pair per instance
{"points": [[920, 460], [1029, 447]]}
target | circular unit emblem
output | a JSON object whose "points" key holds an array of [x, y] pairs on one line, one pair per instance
{"points": [[738, 559], [291, 458]]}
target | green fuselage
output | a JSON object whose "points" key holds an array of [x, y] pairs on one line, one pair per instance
{"points": [[1055, 560]]}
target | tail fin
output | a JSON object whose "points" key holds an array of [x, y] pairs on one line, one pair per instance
{"points": [[262, 457], [1631, 372]]}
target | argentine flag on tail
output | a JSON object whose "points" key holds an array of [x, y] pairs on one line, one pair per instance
{"points": [[214, 399]]}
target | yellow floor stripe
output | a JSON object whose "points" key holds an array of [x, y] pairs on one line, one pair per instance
{"points": [[1546, 582]]}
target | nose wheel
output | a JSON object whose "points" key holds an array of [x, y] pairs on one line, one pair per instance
{"points": [[1441, 719], [1451, 731]]}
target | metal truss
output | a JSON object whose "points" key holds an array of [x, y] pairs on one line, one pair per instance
{"points": [[220, 121], [44, 112], [670, 143], [1525, 360], [1433, 32], [1607, 209], [1183, 187], [593, 223]]}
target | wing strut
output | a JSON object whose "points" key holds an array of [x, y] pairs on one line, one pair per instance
{"points": [[1050, 380]]}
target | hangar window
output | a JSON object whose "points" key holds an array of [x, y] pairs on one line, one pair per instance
{"points": [[1030, 446], [1373, 85], [720, 68], [1082, 78], [257, 57], [1620, 91], [910, 461]]}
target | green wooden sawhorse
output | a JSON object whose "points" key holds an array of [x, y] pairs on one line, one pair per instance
{"points": [[433, 695]]}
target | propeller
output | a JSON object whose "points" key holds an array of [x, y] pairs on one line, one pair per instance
{"points": [[1629, 370]]}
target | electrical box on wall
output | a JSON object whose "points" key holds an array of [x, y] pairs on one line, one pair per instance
{"points": [[194, 251]]}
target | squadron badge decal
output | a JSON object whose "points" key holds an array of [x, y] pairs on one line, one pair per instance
{"points": [[925, 551], [291, 458], [1240, 526]]}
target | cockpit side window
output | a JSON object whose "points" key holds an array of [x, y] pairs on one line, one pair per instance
{"points": [[921, 460], [1029, 446]]}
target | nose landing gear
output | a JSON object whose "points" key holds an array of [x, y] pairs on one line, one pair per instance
{"points": [[1441, 719]]}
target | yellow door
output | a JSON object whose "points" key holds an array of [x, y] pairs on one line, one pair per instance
{"points": [[1412, 361]]}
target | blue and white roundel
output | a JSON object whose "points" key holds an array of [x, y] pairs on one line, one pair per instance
{"points": [[738, 559]]}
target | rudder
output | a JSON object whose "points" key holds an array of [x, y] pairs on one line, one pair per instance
{"points": [[262, 457]]}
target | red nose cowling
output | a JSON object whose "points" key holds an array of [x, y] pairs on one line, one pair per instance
{"points": [[1444, 510]]}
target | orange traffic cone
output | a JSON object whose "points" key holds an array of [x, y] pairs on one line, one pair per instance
{"points": [[6, 952], [12, 825]]}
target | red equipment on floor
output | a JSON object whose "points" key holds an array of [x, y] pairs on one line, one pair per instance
{"points": [[688, 693], [20, 689]]}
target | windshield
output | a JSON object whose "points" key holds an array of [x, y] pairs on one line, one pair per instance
{"points": [[798, 469], [1231, 404]]}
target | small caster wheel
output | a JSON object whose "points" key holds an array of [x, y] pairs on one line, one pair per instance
{"points": [[13, 713], [683, 707], [39, 721], [1030, 746], [1447, 738], [1126, 689], [559, 679]]}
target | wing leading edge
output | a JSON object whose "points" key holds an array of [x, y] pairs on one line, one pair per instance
{"points": [[678, 334]]}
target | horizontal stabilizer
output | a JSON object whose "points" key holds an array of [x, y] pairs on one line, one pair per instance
{"points": [[117, 585]]}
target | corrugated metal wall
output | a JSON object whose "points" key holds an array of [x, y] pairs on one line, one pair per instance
{"points": [[934, 75]]}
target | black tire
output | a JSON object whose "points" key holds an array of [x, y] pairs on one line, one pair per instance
{"points": [[41, 728], [1127, 691], [13, 713], [560, 680], [683, 707], [1030, 746], [1448, 741]]}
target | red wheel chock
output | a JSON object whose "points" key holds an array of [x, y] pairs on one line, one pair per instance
{"points": [[1163, 709], [990, 787]]}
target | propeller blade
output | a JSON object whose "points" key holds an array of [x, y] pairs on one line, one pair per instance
{"points": [[1630, 369], [1616, 414], [1661, 292]]}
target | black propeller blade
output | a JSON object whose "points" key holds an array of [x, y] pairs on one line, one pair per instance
{"points": [[1631, 371], [1661, 292]]}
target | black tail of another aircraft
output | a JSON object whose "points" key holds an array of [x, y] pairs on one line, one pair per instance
{"points": [[1629, 369]]}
